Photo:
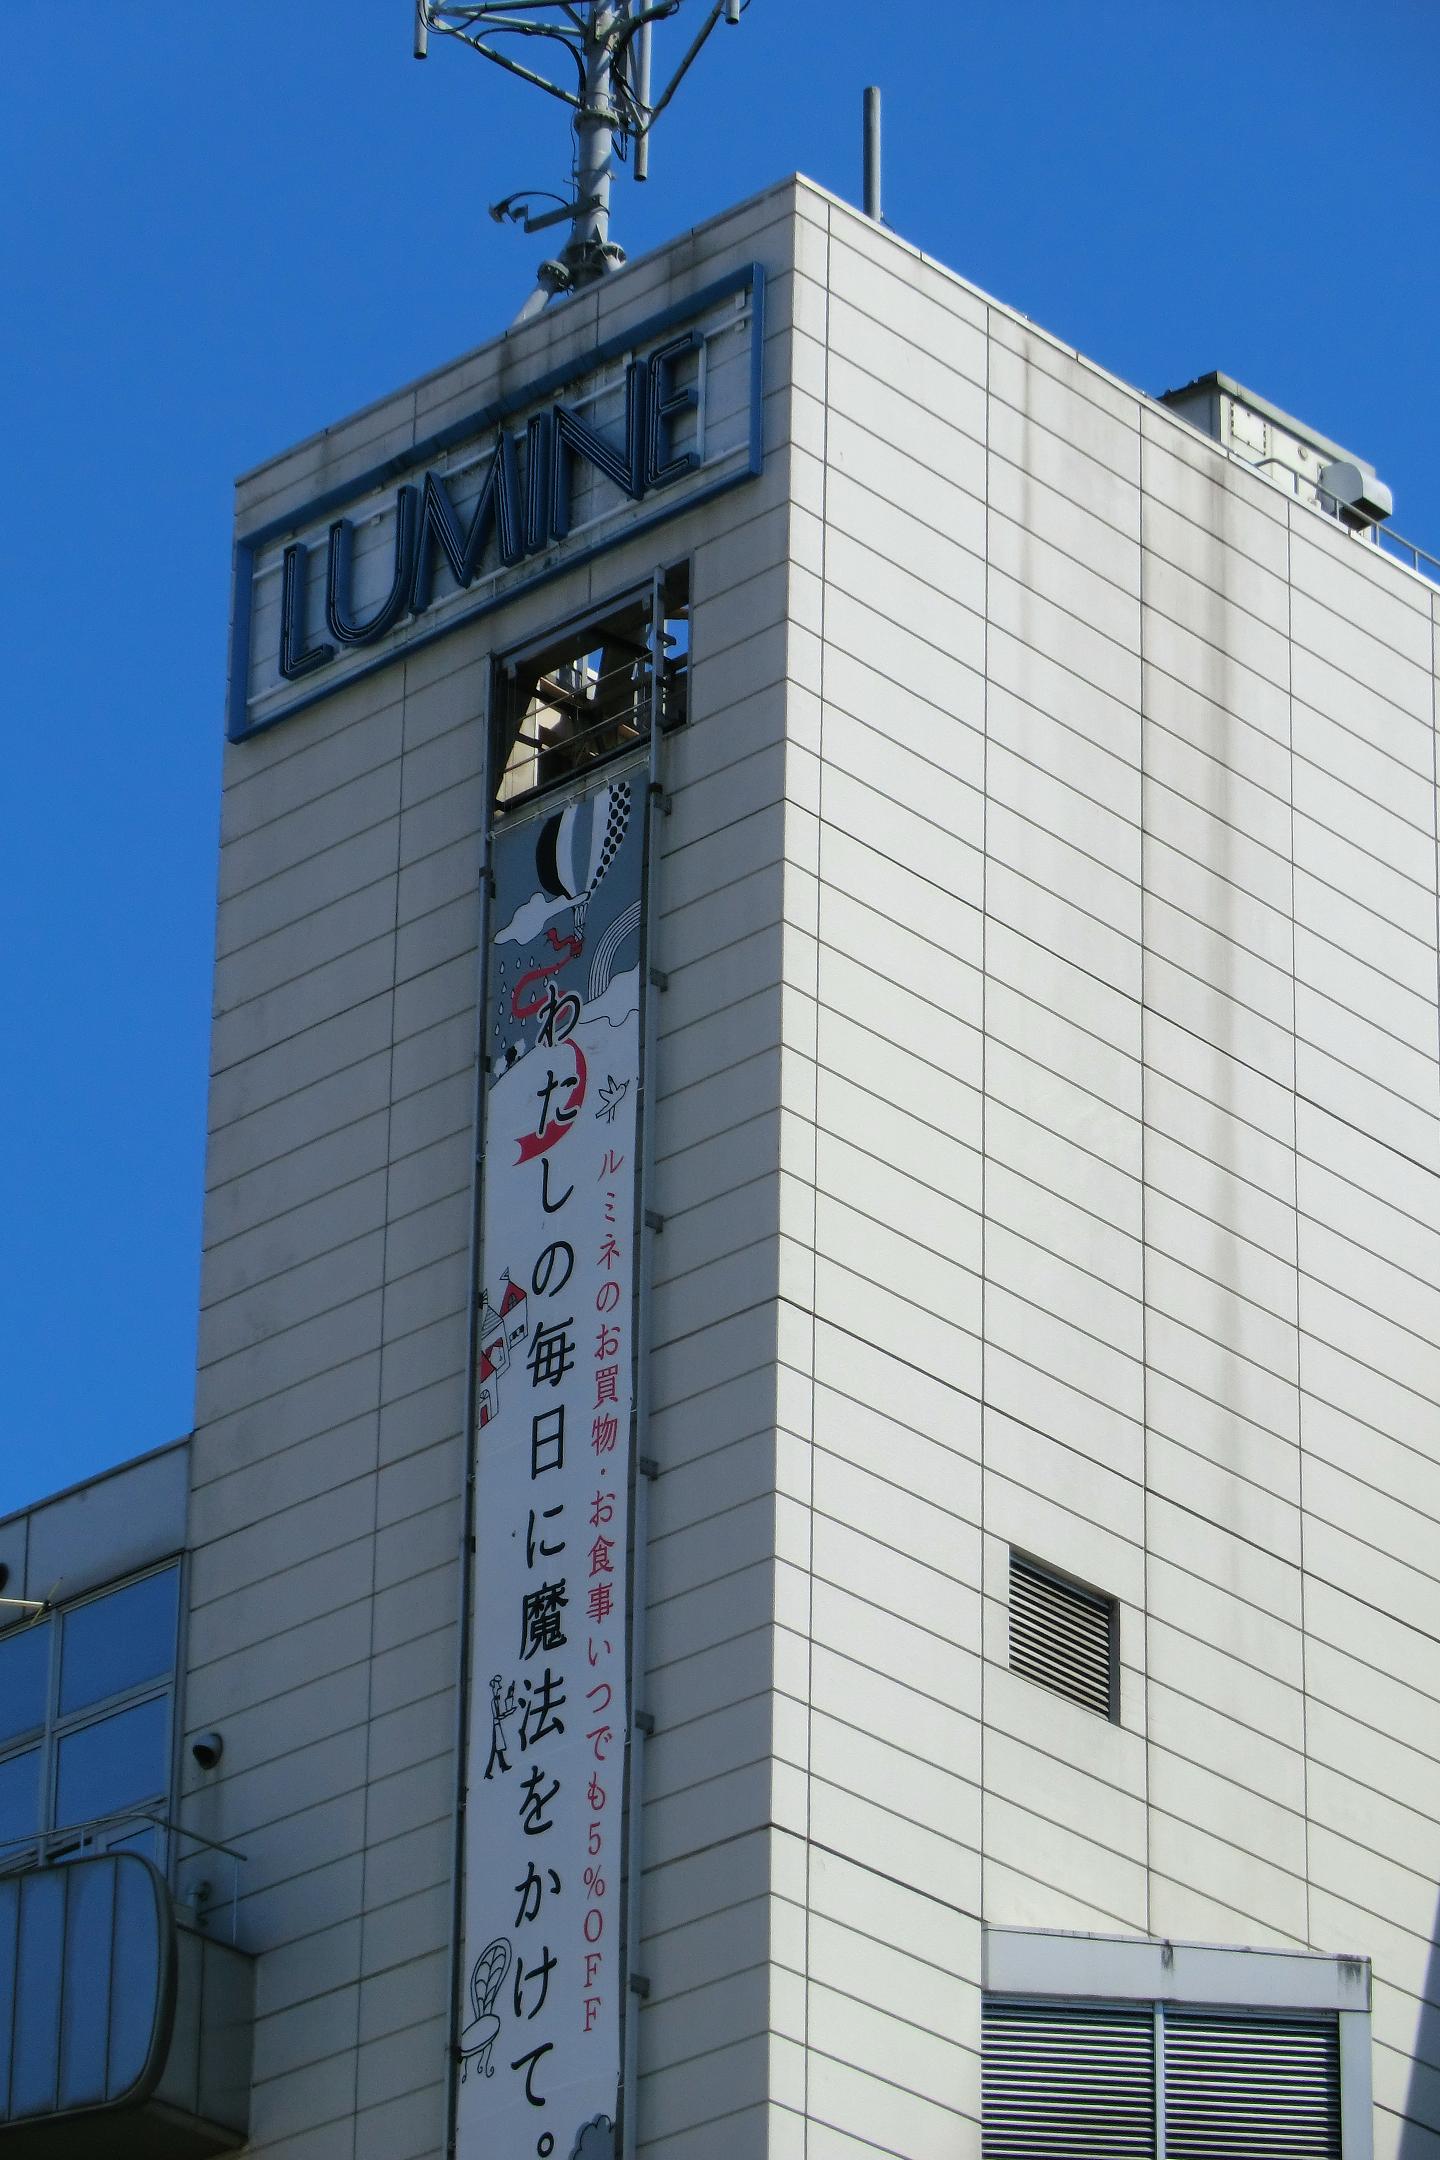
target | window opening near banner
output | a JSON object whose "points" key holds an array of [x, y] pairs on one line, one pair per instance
{"points": [[592, 691]]}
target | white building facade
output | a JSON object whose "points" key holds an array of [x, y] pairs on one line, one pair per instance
{"points": [[1034, 1283]]}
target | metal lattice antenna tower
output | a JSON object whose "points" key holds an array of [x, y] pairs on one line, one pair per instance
{"points": [[610, 96]]}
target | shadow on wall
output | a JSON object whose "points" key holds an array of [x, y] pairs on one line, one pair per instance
{"points": [[1419, 2131]]}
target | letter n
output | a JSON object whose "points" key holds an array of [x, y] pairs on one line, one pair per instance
{"points": [[625, 466]]}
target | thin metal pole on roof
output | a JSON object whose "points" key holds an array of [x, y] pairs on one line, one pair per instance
{"points": [[873, 204]]}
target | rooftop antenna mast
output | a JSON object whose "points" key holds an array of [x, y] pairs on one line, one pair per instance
{"points": [[605, 78]]}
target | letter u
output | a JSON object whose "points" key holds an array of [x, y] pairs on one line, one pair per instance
{"points": [[343, 627]]}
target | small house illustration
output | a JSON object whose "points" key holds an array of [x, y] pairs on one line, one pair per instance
{"points": [[514, 1311], [488, 1395], [493, 1339]]}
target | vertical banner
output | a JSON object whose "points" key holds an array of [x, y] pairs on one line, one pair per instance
{"points": [[542, 1977]]}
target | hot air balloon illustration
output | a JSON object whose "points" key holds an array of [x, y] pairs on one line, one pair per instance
{"points": [[576, 847]]}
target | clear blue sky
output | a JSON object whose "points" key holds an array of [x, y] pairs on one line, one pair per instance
{"points": [[225, 226]]}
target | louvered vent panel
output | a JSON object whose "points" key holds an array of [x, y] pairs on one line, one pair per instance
{"points": [[1067, 2083], [1060, 1636], [1246, 2088]]}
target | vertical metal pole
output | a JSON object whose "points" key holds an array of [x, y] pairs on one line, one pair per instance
{"points": [[464, 1614], [595, 155], [872, 154], [422, 31], [644, 1468], [643, 61]]}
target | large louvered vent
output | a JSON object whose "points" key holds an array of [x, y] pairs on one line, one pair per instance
{"points": [[1081, 2081], [1063, 1636], [1251, 2088], [1066, 2082]]}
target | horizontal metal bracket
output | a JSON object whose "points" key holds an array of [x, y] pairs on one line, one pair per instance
{"points": [[653, 1221], [645, 1722], [659, 980], [647, 1466], [640, 1985]]}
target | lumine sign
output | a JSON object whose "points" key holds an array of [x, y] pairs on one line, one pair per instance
{"points": [[512, 495]]}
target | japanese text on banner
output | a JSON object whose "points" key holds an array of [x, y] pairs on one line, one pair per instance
{"points": [[540, 2048]]}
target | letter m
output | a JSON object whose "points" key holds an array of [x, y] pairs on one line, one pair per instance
{"points": [[496, 508]]}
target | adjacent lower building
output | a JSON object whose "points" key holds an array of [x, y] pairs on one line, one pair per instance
{"points": [[811, 1525]]}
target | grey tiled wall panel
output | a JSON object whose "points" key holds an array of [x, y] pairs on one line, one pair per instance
{"points": [[1149, 1273], [328, 1456], [1048, 1139]]}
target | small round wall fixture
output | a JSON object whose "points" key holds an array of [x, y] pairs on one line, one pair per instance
{"points": [[207, 1749]]}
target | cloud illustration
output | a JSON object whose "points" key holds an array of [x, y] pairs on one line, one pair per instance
{"points": [[529, 917], [595, 2140]]}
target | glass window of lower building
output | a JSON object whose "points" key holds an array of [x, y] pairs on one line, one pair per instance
{"points": [[86, 1723]]}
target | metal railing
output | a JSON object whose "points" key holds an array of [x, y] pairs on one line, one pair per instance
{"points": [[1407, 551], [108, 1833], [1382, 536]]}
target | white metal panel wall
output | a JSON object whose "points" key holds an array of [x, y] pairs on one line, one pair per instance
{"points": [[1222, 1462], [708, 2058], [1065, 1824], [881, 1377], [1047, 1148], [1369, 1208], [328, 1452], [1125, 954]]}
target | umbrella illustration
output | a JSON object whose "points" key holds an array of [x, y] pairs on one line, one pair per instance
{"points": [[479, 2036]]}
